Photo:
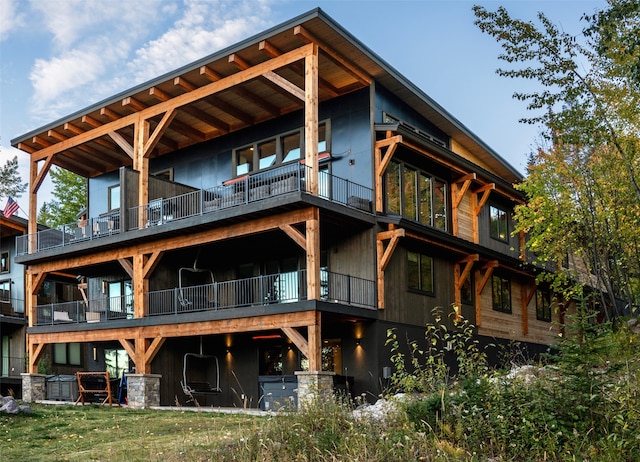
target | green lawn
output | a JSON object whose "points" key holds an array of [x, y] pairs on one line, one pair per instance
{"points": [[100, 433]]}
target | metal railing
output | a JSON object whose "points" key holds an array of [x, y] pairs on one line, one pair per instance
{"points": [[250, 188], [102, 309], [260, 290], [12, 366], [12, 307]]}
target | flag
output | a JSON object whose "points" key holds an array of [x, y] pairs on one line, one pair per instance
{"points": [[11, 208]]}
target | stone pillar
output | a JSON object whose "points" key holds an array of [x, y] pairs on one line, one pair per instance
{"points": [[143, 390], [314, 386], [33, 387]]}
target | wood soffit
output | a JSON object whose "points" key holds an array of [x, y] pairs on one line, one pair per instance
{"points": [[80, 143]]}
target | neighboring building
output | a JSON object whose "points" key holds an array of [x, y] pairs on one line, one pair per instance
{"points": [[13, 324], [271, 208]]}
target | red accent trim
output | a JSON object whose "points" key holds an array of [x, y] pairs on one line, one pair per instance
{"points": [[321, 156], [235, 180]]}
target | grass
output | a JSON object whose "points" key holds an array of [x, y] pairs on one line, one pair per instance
{"points": [[99, 433]]}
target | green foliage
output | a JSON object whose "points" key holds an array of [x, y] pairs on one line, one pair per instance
{"points": [[583, 187], [10, 182], [431, 362], [586, 406], [69, 198]]}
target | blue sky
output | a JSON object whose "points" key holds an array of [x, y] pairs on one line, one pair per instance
{"points": [[59, 56]]}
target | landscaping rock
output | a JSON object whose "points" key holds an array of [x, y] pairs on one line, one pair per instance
{"points": [[10, 406]]}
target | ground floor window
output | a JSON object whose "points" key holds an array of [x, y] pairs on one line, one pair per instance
{"points": [[67, 354], [543, 305], [117, 362], [501, 294]]}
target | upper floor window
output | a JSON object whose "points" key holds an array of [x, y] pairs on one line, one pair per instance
{"points": [[543, 304], [498, 223], [4, 262], [466, 290], [416, 195], [5, 291], [501, 293], [420, 272], [114, 197], [280, 149]]}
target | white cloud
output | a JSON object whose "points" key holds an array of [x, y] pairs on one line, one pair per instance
{"points": [[11, 19], [115, 45]]}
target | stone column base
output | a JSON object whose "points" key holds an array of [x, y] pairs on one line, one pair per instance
{"points": [[314, 386], [143, 390], [33, 387]]}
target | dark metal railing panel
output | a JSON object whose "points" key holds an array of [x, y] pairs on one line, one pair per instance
{"points": [[251, 188], [260, 290], [12, 307]]}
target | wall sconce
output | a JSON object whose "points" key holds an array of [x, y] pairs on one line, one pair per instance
{"points": [[352, 161], [95, 354], [357, 342]]}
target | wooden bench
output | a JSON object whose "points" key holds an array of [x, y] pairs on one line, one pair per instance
{"points": [[94, 383]]}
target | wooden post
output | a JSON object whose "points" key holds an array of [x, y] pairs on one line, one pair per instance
{"points": [[315, 345], [311, 120], [313, 256]]}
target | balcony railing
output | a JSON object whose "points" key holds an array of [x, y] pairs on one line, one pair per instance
{"points": [[261, 290], [12, 307], [250, 188], [12, 366]]}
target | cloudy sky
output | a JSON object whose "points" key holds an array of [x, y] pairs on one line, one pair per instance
{"points": [[59, 56]]}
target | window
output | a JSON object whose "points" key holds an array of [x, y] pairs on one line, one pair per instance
{"points": [[114, 197], [117, 362], [4, 262], [5, 291], [466, 290], [543, 305], [498, 226], [420, 271], [120, 298], [501, 294], [67, 354], [415, 195], [281, 149]]}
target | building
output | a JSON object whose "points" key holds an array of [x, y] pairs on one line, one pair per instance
{"points": [[13, 324], [265, 215]]}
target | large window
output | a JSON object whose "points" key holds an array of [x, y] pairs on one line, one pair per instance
{"points": [[501, 294], [543, 304], [420, 271], [416, 195], [114, 197], [498, 226], [466, 290], [280, 149]]}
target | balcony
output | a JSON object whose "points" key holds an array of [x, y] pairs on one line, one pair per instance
{"points": [[12, 308], [234, 193], [261, 290]]}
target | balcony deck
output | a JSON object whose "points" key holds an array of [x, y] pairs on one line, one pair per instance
{"points": [[257, 189], [260, 291]]}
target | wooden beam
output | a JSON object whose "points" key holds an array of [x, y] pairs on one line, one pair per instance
{"points": [[176, 330], [384, 257], [361, 76], [151, 143], [151, 263], [526, 299], [481, 281], [133, 104], [311, 121], [240, 63], [181, 100], [153, 349], [294, 234], [258, 225], [120, 141], [313, 255], [381, 162], [109, 113], [127, 266], [298, 340], [129, 347], [460, 277], [285, 84], [315, 344]]}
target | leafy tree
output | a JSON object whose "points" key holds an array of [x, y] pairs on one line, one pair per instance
{"points": [[583, 184], [10, 181], [69, 198]]}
